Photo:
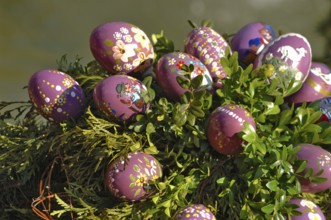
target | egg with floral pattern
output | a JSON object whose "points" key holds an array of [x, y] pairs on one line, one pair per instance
{"points": [[317, 159], [121, 48], [172, 65], [290, 56], [224, 123], [250, 40], [308, 209], [209, 47], [120, 97], [194, 212], [56, 95], [316, 86], [323, 105], [128, 177]]}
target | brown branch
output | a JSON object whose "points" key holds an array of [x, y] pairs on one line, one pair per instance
{"points": [[42, 205]]}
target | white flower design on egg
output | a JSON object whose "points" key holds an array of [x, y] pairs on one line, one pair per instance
{"points": [[123, 51]]}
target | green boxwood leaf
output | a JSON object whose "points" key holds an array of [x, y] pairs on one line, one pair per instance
{"points": [[196, 81], [183, 82], [273, 185], [268, 209], [302, 166], [150, 128]]}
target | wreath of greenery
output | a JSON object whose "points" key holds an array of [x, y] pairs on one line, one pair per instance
{"points": [[51, 170]]}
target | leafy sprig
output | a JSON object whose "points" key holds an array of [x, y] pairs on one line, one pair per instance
{"points": [[256, 184]]}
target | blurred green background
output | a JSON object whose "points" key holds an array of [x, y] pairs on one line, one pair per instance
{"points": [[34, 34]]}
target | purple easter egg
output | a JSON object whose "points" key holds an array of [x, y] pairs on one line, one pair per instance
{"points": [[121, 48], [290, 55], [121, 97], [324, 105], [224, 124], [171, 65], [56, 95], [209, 47], [127, 177], [318, 159], [308, 209], [250, 40], [316, 86], [194, 212]]}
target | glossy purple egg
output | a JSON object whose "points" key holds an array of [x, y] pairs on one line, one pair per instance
{"points": [[171, 65], [121, 97], [318, 159], [56, 95], [209, 47], [290, 55], [224, 124], [324, 105], [250, 40], [308, 209], [127, 178], [121, 48], [316, 86], [194, 212]]}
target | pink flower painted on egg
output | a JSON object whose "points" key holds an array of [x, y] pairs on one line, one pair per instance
{"points": [[123, 51]]}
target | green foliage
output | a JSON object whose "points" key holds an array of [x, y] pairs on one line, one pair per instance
{"points": [[61, 166], [162, 45]]}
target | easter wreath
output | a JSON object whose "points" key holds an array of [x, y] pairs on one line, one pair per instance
{"points": [[186, 162]]}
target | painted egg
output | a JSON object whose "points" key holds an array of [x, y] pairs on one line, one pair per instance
{"points": [[318, 159], [121, 48], [316, 86], [308, 209], [224, 124], [194, 212], [324, 105], [127, 178], [121, 97], [172, 65], [290, 55], [250, 40], [209, 47], [56, 95]]}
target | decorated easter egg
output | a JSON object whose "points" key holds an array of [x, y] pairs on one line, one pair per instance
{"points": [[308, 209], [194, 212], [56, 95], [316, 86], [121, 48], [209, 47], [172, 65], [128, 177], [250, 40], [290, 56], [225, 122], [121, 97], [318, 159], [324, 105]]}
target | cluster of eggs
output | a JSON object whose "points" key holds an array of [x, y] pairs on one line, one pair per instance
{"points": [[124, 50], [291, 59], [121, 48]]}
